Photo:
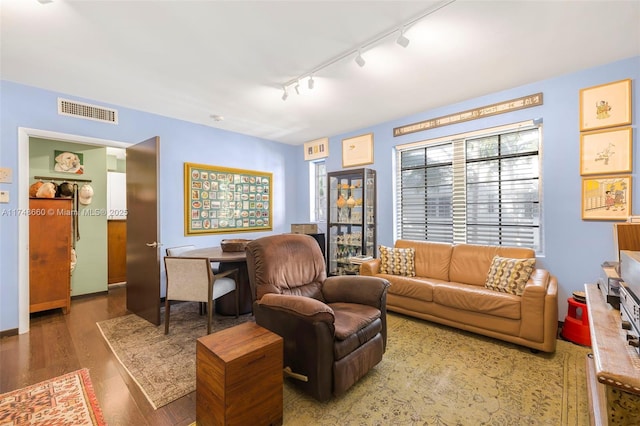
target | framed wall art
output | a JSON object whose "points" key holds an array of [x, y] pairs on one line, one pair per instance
{"points": [[225, 200], [606, 105], [357, 151], [316, 149], [606, 197], [68, 162], [606, 151]]}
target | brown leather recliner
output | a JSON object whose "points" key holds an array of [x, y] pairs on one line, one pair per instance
{"points": [[334, 329]]}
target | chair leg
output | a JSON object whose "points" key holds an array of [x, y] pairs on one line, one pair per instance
{"points": [[237, 303], [166, 315], [210, 309]]}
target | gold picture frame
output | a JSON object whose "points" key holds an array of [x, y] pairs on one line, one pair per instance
{"points": [[605, 105], [316, 149], [606, 151], [223, 200], [606, 197], [357, 151]]}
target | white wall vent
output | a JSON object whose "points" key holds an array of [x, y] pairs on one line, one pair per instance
{"points": [[87, 111]]}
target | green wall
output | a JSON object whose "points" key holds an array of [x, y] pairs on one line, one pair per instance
{"points": [[90, 274]]}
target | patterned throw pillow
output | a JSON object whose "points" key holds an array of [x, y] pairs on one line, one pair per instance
{"points": [[397, 261], [509, 275]]}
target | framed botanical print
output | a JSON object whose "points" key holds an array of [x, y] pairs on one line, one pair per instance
{"points": [[606, 197], [606, 105], [606, 151]]}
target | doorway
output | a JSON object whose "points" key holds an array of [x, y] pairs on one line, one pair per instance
{"points": [[24, 136]]}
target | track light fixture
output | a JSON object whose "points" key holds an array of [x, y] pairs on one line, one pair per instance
{"points": [[402, 40]]}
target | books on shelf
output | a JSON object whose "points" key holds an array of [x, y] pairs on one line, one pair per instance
{"points": [[359, 259]]}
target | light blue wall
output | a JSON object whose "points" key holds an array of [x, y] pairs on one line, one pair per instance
{"points": [[573, 248], [180, 141]]}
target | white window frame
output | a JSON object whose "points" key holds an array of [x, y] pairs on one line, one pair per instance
{"points": [[459, 191], [317, 202]]}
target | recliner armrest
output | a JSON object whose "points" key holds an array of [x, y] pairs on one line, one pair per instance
{"points": [[364, 290], [310, 309]]}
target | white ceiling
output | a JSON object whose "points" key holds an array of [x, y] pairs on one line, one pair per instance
{"points": [[194, 59]]}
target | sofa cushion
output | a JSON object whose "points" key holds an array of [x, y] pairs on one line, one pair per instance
{"points": [[477, 299], [509, 275], [470, 263], [414, 287], [397, 261], [432, 259]]}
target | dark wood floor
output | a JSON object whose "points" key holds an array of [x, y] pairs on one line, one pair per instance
{"points": [[58, 344]]}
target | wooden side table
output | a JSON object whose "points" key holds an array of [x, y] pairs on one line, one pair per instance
{"points": [[239, 377]]}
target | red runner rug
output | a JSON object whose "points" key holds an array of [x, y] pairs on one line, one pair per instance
{"points": [[67, 400]]}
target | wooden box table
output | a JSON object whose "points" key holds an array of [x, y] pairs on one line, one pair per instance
{"points": [[239, 377]]}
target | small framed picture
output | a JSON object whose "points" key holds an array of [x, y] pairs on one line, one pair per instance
{"points": [[606, 151], [68, 162], [606, 197], [606, 105], [316, 149], [357, 151]]}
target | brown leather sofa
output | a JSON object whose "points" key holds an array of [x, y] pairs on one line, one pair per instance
{"points": [[334, 329], [449, 288]]}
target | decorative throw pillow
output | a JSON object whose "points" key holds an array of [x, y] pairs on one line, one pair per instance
{"points": [[397, 261], [509, 275]]}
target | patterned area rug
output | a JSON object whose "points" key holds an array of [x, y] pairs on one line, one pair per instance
{"points": [[66, 400], [430, 375], [163, 366], [436, 375]]}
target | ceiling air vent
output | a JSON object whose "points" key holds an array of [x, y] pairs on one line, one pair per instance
{"points": [[87, 111]]}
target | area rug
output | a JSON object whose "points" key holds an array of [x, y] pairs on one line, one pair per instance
{"points": [[429, 375], [67, 400], [163, 366], [436, 375]]}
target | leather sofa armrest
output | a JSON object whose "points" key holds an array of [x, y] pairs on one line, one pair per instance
{"points": [[307, 308], [539, 309], [364, 290], [370, 267]]}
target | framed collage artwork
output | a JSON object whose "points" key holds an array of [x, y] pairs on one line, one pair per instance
{"points": [[224, 200]]}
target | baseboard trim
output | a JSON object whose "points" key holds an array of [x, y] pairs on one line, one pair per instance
{"points": [[9, 333]]}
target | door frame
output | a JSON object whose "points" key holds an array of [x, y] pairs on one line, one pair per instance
{"points": [[24, 134]]}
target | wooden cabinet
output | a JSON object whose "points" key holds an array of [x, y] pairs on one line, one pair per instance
{"points": [[117, 251], [50, 254], [239, 377], [613, 370]]}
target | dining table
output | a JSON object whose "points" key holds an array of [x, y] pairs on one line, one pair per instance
{"points": [[225, 305]]}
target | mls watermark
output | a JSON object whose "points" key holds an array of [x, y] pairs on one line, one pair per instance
{"points": [[64, 212]]}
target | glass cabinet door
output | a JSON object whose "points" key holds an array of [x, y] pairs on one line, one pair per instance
{"points": [[351, 224]]}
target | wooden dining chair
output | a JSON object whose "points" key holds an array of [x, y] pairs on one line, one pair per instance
{"points": [[191, 279]]}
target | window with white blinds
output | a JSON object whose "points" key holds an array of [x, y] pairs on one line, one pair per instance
{"points": [[479, 190]]}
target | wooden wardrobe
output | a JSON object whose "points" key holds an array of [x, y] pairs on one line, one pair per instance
{"points": [[50, 239]]}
